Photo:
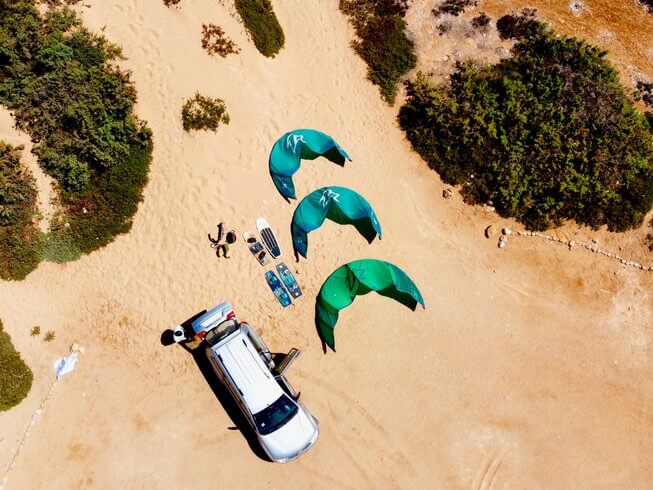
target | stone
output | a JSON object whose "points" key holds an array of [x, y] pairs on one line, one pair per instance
{"points": [[447, 193], [506, 231]]}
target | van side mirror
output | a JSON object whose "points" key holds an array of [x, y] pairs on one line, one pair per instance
{"points": [[296, 397]]}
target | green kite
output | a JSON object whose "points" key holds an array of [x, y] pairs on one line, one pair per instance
{"points": [[339, 204], [357, 278], [289, 150]]}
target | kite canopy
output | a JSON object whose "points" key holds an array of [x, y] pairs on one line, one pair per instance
{"points": [[357, 278], [339, 204], [292, 147]]}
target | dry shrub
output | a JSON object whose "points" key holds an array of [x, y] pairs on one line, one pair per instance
{"points": [[214, 41]]}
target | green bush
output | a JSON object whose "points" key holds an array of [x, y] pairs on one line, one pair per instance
{"points": [[98, 215], [65, 90], [204, 113], [382, 42], [546, 135], [261, 23], [19, 238], [15, 375]]}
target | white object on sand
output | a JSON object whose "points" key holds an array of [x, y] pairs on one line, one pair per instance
{"points": [[65, 364]]}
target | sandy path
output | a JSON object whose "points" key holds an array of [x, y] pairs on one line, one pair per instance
{"points": [[45, 191], [531, 365]]}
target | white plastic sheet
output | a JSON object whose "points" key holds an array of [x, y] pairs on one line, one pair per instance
{"points": [[65, 364]]}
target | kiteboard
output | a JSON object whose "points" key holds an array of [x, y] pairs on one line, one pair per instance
{"points": [[289, 280], [268, 237], [277, 288], [256, 248]]}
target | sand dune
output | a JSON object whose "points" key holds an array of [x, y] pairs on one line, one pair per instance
{"points": [[531, 366]]}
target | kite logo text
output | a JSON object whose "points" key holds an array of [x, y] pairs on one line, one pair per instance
{"points": [[326, 195], [293, 140]]}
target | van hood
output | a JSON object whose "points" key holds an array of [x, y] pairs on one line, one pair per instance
{"points": [[293, 439]]}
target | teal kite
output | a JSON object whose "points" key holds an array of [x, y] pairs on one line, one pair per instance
{"points": [[357, 278], [289, 150], [339, 204]]}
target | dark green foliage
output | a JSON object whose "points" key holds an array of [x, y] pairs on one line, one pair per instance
{"points": [[261, 23], [360, 12], [110, 206], [204, 113], [645, 92], [521, 26], [382, 43], [15, 375], [481, 22], [19, 238], [62, 84], [547, 135], [453, 7]]}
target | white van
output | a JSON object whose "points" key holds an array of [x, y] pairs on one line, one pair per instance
{"points": [[284, 426]]}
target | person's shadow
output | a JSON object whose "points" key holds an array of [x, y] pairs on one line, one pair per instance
{"points": [[197, 349]]}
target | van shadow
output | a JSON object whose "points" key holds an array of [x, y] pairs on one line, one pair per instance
{"points": [[197, 350]]}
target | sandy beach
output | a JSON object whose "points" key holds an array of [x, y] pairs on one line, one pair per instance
{"points": [[530, 367]]}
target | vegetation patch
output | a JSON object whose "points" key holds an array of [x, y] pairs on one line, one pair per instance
{"points": [[19, 237], [171, 2], [644, 92], [648, 4], [262, 24], [204, 113], [382, 41], [453, 7], [66, 92], [215, 41], [481, 22], [546, 135], [15, 376]]}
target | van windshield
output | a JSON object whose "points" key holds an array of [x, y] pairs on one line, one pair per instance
{"points": [[275, 416], [218, 333]]}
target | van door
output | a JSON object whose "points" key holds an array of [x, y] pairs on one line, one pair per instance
{"points": [[288, 359]]}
